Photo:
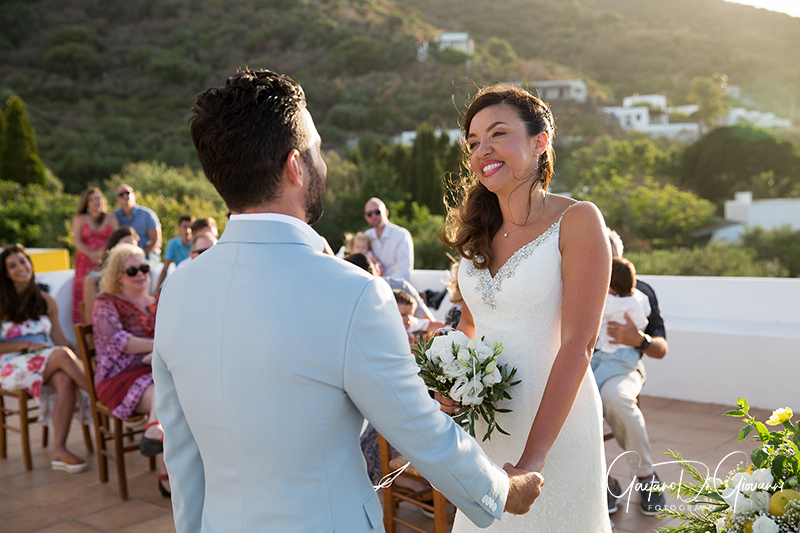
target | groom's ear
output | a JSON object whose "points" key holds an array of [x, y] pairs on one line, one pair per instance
{"points": [[293, 170]]}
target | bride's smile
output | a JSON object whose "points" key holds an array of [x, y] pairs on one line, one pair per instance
{"points": [[501, 153]]}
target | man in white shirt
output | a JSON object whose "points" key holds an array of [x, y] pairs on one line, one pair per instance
{"points": [[390, 243]]}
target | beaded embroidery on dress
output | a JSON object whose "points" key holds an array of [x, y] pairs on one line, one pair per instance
{"points": [[521, 307]]}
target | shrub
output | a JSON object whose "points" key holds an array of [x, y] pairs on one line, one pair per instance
{"points": [[711, 260], [782, 244], [73, 59]]}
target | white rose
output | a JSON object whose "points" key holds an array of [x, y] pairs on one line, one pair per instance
{"points": [[454, 369], [720, 523], [765, 524], [458, 388], [483, 352], [440, 353], [474, 388], [457, 337], [465, 357], [763, 478], [743, 482], [760, 501], [494, 377], [733, 498]]}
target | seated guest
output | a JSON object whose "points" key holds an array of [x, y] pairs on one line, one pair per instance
{"points": [[414, 326], [200, 243], [124, 319], [359, 244], [421, 310], [91, 283], [177, 247], [52, 375]]}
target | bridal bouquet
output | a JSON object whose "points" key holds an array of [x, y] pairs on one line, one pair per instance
{"points": [[763, 497], [467, 371]]}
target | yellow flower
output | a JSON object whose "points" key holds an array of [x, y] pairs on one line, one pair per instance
{"points": [[779, 416]]}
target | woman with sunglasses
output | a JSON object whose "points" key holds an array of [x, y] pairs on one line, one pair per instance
{"points": [[52, 375], [124, 319]]}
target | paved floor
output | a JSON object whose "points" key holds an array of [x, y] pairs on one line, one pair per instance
{"points": [[43, 500]]}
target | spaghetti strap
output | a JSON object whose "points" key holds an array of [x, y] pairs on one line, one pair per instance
{"points": [[565, 210]]}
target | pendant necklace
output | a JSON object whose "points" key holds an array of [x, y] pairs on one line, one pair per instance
{"points": [[506, 233]]}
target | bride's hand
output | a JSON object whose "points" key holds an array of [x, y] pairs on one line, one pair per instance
{"points": [[446, 404]]}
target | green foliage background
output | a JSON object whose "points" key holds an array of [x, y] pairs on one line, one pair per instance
{"points": [[108, 88]]}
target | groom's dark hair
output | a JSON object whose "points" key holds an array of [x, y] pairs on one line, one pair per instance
{"points": [[243, 133]]}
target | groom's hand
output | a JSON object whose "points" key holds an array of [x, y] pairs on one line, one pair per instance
{"points": [[523, 488]]}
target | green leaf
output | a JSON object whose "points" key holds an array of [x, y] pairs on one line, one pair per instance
{"points": [[763, 432], [777, 467], [745, 431], [737, 412], [760, 458]]}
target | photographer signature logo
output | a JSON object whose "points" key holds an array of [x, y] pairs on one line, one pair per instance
{"points": [[733, 494]]}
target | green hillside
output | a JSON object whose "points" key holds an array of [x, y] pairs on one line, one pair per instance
{"points": [[644, 46], [108, 83]]}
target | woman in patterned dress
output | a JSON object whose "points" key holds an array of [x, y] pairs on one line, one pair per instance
{"points": [[124, 319], [91, 227], [28, 360]]}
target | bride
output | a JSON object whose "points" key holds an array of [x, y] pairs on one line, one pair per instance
{"points": [[534, 275]]}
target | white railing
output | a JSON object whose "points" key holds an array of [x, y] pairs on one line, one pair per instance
{"points": [[728, 337]]}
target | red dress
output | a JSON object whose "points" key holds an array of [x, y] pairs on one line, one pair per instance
{"points": [[94, 239]]}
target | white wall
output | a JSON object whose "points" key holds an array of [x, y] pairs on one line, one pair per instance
{"points": [[728, 337]]}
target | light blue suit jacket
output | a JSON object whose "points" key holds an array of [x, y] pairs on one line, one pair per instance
{"points": [[268, 356]]}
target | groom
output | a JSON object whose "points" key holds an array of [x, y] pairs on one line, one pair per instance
{"points": [[263, 397]]}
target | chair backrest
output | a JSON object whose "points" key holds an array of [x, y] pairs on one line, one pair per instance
{"points": [[85, 339]]}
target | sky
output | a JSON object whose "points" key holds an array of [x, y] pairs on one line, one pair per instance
{"points": [[790, 7]]}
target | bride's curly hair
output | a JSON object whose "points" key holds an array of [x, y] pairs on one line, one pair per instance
{"points": [[473, 212]]}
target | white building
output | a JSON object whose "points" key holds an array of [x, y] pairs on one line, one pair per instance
{"points": [[743, 212], [553, 90], [457, 41], [655, 101], [634, 116], [736, 115], [407, 138]]}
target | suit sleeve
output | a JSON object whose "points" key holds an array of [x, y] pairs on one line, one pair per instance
{"points": [[380, 377], [181, 454]]}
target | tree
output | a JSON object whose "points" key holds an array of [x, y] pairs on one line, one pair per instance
{"points": [[781, 244], [19, 158], [734, 158], [650, 215], [709, 95]]}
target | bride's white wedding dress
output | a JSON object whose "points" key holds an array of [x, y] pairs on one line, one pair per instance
{"points": [[521, 307]]}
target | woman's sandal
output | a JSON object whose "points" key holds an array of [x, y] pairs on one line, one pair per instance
{"points": [[164, 492], [151, 447], [69, 463]]}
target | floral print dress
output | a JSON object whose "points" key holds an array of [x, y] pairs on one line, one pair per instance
{"points": [[20, 371]]}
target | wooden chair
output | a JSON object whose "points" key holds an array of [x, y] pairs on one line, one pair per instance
{"points": [[107, 426], [393, 494], [26, 415]]}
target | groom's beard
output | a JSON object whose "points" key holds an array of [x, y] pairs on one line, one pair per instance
{"points": [[315, 194]]}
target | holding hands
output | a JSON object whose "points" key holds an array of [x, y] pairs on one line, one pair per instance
{"points": [[524, 485], [523, 489]]}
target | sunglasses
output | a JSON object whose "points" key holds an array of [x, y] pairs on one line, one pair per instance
{"points": [[200, 251], [143, 268], [371, 213], [123, 193]]}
